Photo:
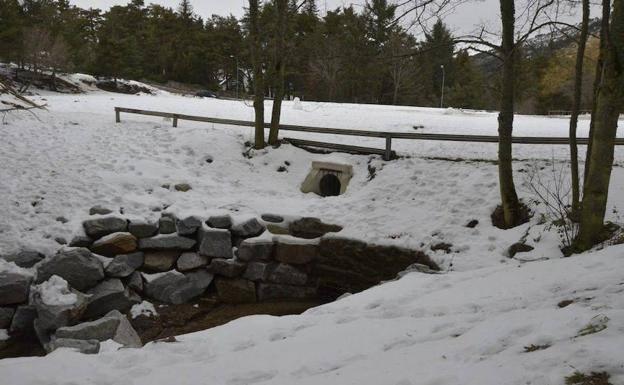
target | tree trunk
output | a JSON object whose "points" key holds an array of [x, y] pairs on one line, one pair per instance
{"points": [[280, 69], [509, 198], [576, 106], [256, 60], [608, 105]]}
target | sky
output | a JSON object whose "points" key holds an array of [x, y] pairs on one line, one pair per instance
{"points": [[461, 20]]}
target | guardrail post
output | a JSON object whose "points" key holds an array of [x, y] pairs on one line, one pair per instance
{"points": [[388, 153], [117, 116], [175, 120]]}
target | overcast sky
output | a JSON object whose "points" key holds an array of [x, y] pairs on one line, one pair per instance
{"points": [[461, 20]]}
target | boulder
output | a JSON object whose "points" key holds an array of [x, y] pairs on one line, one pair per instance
{"points": [[215, 243], [113, 244], [182, 187], [109, 295], [81, 241], [166, 225], [135, 282], [248, 229], [79, 267], [235, 290], [6, 316], [176, 288], [277, 229], [518, 247], [14, 288], [99, 227], [295, 251], [272, 218], [220, 221], [143, 229], [191, 261], [113, 326], [310, 228], [24, 259], [188, 225], [23, 319], [255, 249], [99, 210], [287, 275], [82, 346], [349, 266], [258, 271], [167, 242], [231, 268], [271, 291], [160, 261], [57, 305], [123, 265]]}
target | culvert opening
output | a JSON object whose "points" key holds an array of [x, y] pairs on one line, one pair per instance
{"points": [[330, 185], [205, 273]]}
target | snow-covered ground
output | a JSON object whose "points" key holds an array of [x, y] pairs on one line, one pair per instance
{"points": [[468, 326]]}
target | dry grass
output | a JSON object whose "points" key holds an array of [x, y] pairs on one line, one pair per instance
{"points": [[594, 378]]}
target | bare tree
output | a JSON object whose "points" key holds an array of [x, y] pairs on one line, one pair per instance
{"points": [[605, 115], [258, 74], [279, 75]]}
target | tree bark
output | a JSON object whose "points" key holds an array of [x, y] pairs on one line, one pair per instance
{"points": [[576, 106], [280, 69], [509, 198], [256, 59], [608, 105]]}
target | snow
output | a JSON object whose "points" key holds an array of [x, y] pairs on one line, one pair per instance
{"points": [[11, 267], [4, 335], [468, 325], [55, 292], [144, 308]]}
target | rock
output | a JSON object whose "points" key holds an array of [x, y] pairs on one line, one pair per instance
{"points": [[143, 229], [135, 282], [160, 261], [79, 267], [220, 221], [235, 290], [248, 229], [472, 224], [272, 218], [215, 243], [57, 305], [182, 187], [82, 346], [295, 251], [123, 265], [166, 225], [349, 266], [287, 275], [97, 228], [81, 241], [116, 243], [191, 261], [60, 240], [188, 226], [518, 247], [227, 267], [99, 210], [6, 316], [14, 288], [167, 242], [257, 271], [277, 229], [113, 326], [63, 220], [24, 259], [271, 291], [109, 295], [177, 288], [442, 246], [254, 249], [310, 228], [23, 319]]}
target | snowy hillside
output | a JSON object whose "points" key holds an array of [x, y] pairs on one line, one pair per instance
{"points": [[468, 325]]}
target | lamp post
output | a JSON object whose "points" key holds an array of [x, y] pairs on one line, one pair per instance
{"points": [[442, 89]]}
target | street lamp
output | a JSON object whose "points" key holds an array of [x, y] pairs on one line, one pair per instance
{"points": [[442, 90]]}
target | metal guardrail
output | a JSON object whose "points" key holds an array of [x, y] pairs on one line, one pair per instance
{"points": [[387, 135]]}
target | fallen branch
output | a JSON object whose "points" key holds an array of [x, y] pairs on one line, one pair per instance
{"points": [[4, 86]]}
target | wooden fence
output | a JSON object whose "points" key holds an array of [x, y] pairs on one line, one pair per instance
{"points": [[387, 135]]}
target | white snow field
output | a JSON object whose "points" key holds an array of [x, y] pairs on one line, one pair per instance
{"points": [[468, 325]]}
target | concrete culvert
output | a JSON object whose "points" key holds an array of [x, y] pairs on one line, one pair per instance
{"points": [[330, 185]]}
